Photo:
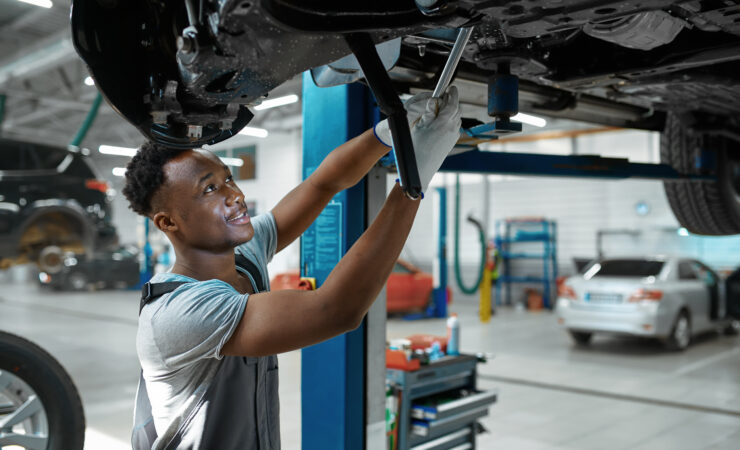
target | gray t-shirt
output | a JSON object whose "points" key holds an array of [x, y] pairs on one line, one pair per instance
{"points": [[181, 334]]}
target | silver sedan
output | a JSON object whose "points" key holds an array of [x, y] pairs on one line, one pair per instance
{"points": [[668, 298]]}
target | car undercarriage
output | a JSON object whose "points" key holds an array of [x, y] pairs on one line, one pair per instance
{"points": [[185, 73]]}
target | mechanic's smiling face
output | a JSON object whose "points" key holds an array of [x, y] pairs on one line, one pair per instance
{"points": [[205, 203]]}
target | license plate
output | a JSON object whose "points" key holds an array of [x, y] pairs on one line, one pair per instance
{"points": [[603, 298]]}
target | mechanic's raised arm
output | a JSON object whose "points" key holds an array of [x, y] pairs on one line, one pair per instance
{"points": [[276, 322], [341, 169]]}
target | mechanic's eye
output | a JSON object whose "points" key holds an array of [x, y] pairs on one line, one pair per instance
{"points": [[209, 188], [230, 179]]}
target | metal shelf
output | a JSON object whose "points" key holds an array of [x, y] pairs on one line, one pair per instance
{"points": [[511, 232]]}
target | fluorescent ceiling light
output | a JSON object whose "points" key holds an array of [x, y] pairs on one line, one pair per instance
{"points": [[119, 171], [120, 151], [279, 101], [252, 131], [41, 3], [232, 161], [531, 120], [89, 81]]}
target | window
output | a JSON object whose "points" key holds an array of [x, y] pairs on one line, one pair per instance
{"points": [[248, 157], [704, 273], [625, 268], [15, 156], [686, 271], [49, 157], [10, 157]]}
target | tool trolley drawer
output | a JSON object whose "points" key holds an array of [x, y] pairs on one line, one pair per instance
{"points": [[458, 440], [443, 406], [423, 430]]}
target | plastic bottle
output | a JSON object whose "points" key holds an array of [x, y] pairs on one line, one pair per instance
{"points": [[453, 335]]}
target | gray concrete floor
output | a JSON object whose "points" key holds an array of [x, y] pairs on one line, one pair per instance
{"points": [[618, 393]]}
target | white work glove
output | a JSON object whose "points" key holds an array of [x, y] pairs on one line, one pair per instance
{"points": [[434, 130], [415, 107]]}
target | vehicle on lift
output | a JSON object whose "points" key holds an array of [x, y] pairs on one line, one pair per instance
{"points": [[40, 407], [672, 299], [184, 73], [118, 268], [409, 289], [51, 201]]}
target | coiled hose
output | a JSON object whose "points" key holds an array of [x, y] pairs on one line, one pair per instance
{"points": [[482, 236]]}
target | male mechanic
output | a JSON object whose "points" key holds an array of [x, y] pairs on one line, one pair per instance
{"points": [[207, 348]]}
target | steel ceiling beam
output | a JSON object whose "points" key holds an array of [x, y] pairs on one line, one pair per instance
{"points": [[42, 56]]}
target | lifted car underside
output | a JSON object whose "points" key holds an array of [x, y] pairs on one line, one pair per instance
{"points": [[185, 72]]}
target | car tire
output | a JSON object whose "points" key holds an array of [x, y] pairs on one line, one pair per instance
{"points": [[32, 371], [51, 259], [77, 281], [581, 337], [708, 207], [680, 336], [732, 328]]}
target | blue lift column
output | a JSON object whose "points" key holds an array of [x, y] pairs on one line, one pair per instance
{"points": [[439, 272], [333, 372]]}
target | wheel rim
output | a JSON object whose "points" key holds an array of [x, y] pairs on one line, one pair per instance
{"points": [[23, 419], [77, 281], [681, 333]]}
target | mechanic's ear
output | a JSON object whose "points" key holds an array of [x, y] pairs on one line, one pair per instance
{"points": [[164, 222]]}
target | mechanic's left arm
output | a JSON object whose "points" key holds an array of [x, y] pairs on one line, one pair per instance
{"points": [[341, 169]]}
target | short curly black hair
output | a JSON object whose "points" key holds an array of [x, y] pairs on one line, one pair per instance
{"points": [[144, 175]]}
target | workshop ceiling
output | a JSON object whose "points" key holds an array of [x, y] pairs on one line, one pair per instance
{"points": [[43, 80]]}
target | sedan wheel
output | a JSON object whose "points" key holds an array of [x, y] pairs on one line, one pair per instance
{"points": [[580, 337], [40, 408], [733, 328], [77, 281], [681, 335]]}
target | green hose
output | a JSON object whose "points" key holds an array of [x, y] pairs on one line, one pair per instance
{"points": [[458, 274], [87, 124]]}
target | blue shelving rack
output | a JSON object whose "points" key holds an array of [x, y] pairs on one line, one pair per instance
{"points": [[513, 231]]}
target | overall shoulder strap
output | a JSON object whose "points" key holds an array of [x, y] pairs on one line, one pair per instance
{"points": [[150, 291], [250, 267]]}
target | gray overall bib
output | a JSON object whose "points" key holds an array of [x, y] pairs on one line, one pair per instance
{"points": [[241, 400]]}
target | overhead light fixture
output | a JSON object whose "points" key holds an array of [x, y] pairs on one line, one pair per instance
{"points": [[41, 3], [255, 132], [237, 162], [119, 171], [530, 120], [89, 81], [275, 102], [119, 151]]}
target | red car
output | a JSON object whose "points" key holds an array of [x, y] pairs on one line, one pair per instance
{"points": [[408, 288]]}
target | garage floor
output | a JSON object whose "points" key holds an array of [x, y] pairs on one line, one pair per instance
{"points": [[617, 393]]}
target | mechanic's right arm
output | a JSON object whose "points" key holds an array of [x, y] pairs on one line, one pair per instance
{"points": [[280, 321]]}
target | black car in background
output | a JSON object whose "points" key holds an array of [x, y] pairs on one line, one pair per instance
{"points": [[51, 202], [117, 268]]}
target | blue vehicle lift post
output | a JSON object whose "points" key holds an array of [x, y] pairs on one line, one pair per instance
{"points": [[439, 272], [342, 393]]}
